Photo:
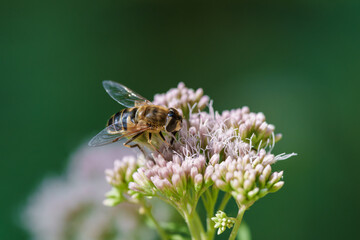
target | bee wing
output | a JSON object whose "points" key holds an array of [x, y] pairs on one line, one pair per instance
{"points": [[124, 95], [106, 137]]}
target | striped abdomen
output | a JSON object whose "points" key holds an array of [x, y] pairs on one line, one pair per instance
{"points": [[122, 119]]}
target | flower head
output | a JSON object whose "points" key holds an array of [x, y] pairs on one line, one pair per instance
{"points": [[119, 178], [172, 179], [247, 177], [228, 151]]}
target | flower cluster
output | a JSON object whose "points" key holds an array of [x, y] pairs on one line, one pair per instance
{"points": [[69, 206], [119, 178], [173, 179], [228, 151], [250, 126], [248, 177], [222, 221], [181, 98]]}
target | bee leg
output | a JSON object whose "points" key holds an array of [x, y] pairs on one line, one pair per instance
{"points": [[173, 138], [163, 138], [149, 138], [116, 139], [149, 141], [126, 144]]}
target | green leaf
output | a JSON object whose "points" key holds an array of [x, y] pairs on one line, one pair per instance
{"points": [[244, 232]]}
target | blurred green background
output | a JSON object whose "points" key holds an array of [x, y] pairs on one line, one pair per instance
{"points": [[297, 62]]}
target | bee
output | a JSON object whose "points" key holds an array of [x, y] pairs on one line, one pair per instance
{"points": [[140, 117]]}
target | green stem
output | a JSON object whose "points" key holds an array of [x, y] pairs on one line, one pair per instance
{"points": [[224, 201], [149, 214], [210, 226], [194, 201], [172, 204], [212, 198], [191, 217], [192, 225], [200, 226], [239, 217]]}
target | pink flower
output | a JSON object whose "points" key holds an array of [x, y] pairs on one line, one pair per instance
{"points": [[70, 205], [228, 151]]}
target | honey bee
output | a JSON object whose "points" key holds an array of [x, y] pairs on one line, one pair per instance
{"points": [[140, 117]]}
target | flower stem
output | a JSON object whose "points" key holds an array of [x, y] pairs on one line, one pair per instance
{"points": [[210, 206], [192, 225], [224, 201], [149, 214], [200, 226], [237, 222], [210, 225]]}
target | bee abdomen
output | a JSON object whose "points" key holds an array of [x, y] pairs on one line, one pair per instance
{"points": [[132, 114], [119, 120], [114, 122]]}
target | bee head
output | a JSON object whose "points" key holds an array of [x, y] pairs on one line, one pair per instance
{"points": [[173, 121]]}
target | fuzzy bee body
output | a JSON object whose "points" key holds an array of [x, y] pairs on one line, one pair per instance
{"points": [[151, 115], [140, 117]]}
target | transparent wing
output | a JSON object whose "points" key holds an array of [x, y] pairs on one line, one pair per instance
{"points": [[124, 95], [110, 134]]}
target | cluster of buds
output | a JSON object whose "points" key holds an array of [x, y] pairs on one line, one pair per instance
{"points": [[120, 177], [181, 98], [247, 178], [250, 126], [222, 221], [174, 179], [228, 151]]}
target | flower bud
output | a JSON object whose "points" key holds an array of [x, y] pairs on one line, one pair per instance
{"points": [[251, 194], [214, 159], [198, 182], [276, 186]]}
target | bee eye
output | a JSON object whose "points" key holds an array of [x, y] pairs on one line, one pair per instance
{"points": [[171, 113]]}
